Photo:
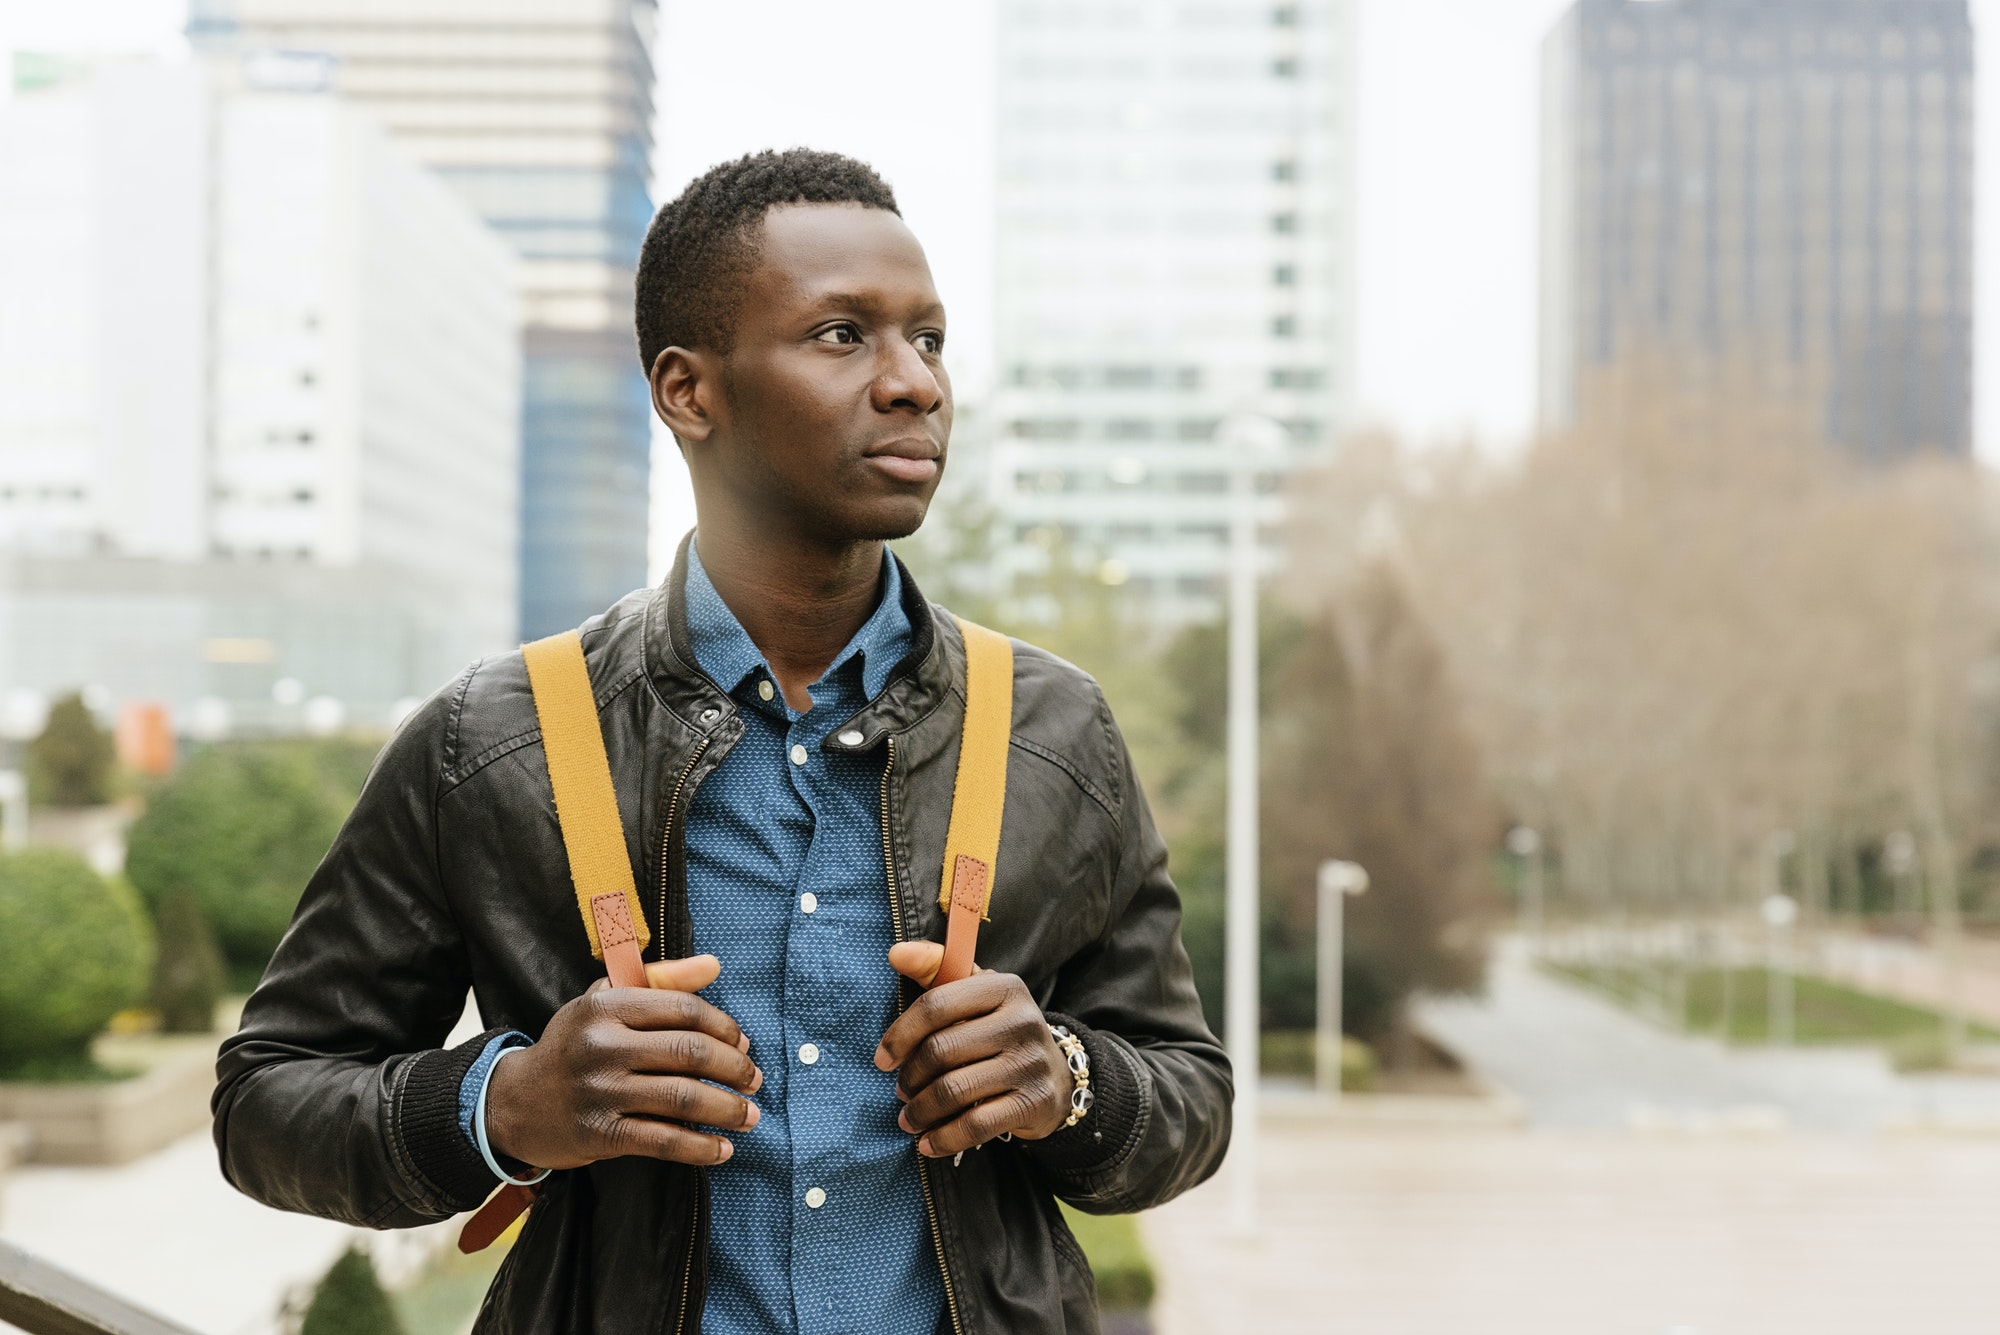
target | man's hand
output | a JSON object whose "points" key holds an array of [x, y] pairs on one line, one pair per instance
{"points": [[620, 1069], [975, 1057]]}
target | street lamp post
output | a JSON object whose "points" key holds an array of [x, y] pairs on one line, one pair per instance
{"points": [[1245, 437], [1780, 912], [1526, 844], [13, 811], [1337, 880]]}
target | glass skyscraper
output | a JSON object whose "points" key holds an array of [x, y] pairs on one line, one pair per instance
{"points": [[1770, 178], [1176, 246], [539, 113]]}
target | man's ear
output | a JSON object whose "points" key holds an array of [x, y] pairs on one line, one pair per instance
{"points": [[684, 393]]}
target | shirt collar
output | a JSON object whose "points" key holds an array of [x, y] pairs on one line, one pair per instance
{"points": [[725, 651]]}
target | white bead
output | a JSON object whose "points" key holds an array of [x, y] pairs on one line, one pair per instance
{"points": [[808, 902], [809, 1053], [765, 690], [815, 1198], [798, 754]]}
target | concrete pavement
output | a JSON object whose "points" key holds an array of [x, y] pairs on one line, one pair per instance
{"points": [[1379, 1232], [1580, 1061]]}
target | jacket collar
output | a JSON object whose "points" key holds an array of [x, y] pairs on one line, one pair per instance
{"points": [[916, 686]]}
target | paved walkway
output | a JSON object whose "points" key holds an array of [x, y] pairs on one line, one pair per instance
{"points": [[1579, 1061], [1576, 1233], [168, 1233]]}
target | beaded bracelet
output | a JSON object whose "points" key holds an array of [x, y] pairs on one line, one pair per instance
{"points": [[1080, 1098]]}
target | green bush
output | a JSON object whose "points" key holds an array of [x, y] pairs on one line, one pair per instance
{"points": [[75, 949], [240, 829], [189, 974], [1118, 1259], [71, 764], [350, 1301]]}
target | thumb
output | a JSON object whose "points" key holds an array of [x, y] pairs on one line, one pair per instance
{"points": [[688, 975], [917, 961]]}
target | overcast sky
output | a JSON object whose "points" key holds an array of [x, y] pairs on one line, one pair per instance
{"points": [[1447, 166]]}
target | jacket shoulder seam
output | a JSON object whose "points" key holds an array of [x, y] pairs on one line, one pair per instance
{"points": [[601, 700], [1071, 768]]}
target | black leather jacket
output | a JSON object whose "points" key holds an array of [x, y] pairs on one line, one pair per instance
{"points": [[335, 1098]]}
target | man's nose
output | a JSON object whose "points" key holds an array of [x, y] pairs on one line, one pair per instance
{"points": [[906, 381]]}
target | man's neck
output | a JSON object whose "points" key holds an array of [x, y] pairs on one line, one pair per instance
{"points": [[800, 603]]}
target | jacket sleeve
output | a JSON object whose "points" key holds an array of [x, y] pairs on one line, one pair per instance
{"points": [[1161, 1120], [334, 1098]]}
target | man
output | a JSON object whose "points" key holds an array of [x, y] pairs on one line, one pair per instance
{"points": [[814, 1144]]}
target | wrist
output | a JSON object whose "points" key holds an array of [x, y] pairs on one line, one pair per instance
{"points": [[504, 1084]]}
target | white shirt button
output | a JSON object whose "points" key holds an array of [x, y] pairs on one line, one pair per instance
{"points": [[798, 754], [765, 690], [851, 738], [809, 1053], [815, 1198], [808, 902]]}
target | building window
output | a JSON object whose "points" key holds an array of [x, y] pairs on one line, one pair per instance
{"points": [[1128, 377], [1067, 428], [1285, 68], [1284, 326], [1284, 275], [1285, 16], [1190, 377], [1129, 428], [1284, 223], [1296, 377], [1285, 170], [1196, 428]]}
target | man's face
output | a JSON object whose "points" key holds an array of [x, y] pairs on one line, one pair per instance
{"points": [[834, 408]]}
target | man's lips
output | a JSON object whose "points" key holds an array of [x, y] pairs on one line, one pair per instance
{"points": [[906, 460]]}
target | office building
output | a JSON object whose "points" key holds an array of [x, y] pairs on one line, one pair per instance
{"points": [[259, 397], [1176, 247], [539, 114], [1787, 180]]}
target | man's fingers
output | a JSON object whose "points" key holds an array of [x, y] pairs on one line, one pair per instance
{"points": [[998, 1115], [646, 1008], [688, 1052], [953, 1048], [688, 975], [980, 994], [958, 1089], [664, 1140], [917, 961], [690, 1101]]}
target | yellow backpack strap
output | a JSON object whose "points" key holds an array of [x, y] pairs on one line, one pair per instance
{"points": [[978, 797], [587, 807]]}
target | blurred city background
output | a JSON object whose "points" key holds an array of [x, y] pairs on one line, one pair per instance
{"points": [[1580, 400]]}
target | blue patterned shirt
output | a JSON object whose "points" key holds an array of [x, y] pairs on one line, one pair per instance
{"points": [[817, 1222]]}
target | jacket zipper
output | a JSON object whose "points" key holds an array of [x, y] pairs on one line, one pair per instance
{"points": [[666, 847], [694, 1240], [667, 838], [923, 1168]]}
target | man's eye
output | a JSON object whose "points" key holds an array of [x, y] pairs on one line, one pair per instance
{"points": [[930, 344], [840, 333]]}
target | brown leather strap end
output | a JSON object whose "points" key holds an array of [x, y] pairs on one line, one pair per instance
{"points": [[492, 1219], [961, 932], [620, 940]]}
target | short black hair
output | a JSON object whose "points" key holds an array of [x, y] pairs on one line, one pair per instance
{"points": [[702, 244]]}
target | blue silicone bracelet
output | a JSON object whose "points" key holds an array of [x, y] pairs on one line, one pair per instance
{"points": [[479, 1127]]}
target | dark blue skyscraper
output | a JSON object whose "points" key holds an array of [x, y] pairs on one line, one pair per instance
{"points": [[540, 115], [1788, 178]]}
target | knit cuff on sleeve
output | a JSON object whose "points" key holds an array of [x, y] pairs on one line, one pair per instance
{"points": [[1118, 1102], [427, 1123]]}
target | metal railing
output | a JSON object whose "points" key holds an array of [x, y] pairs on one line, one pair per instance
{"points": [[44, 1300]]}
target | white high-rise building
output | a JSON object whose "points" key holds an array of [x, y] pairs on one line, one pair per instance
{"points": [[259, 395], [1176, 247]]}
